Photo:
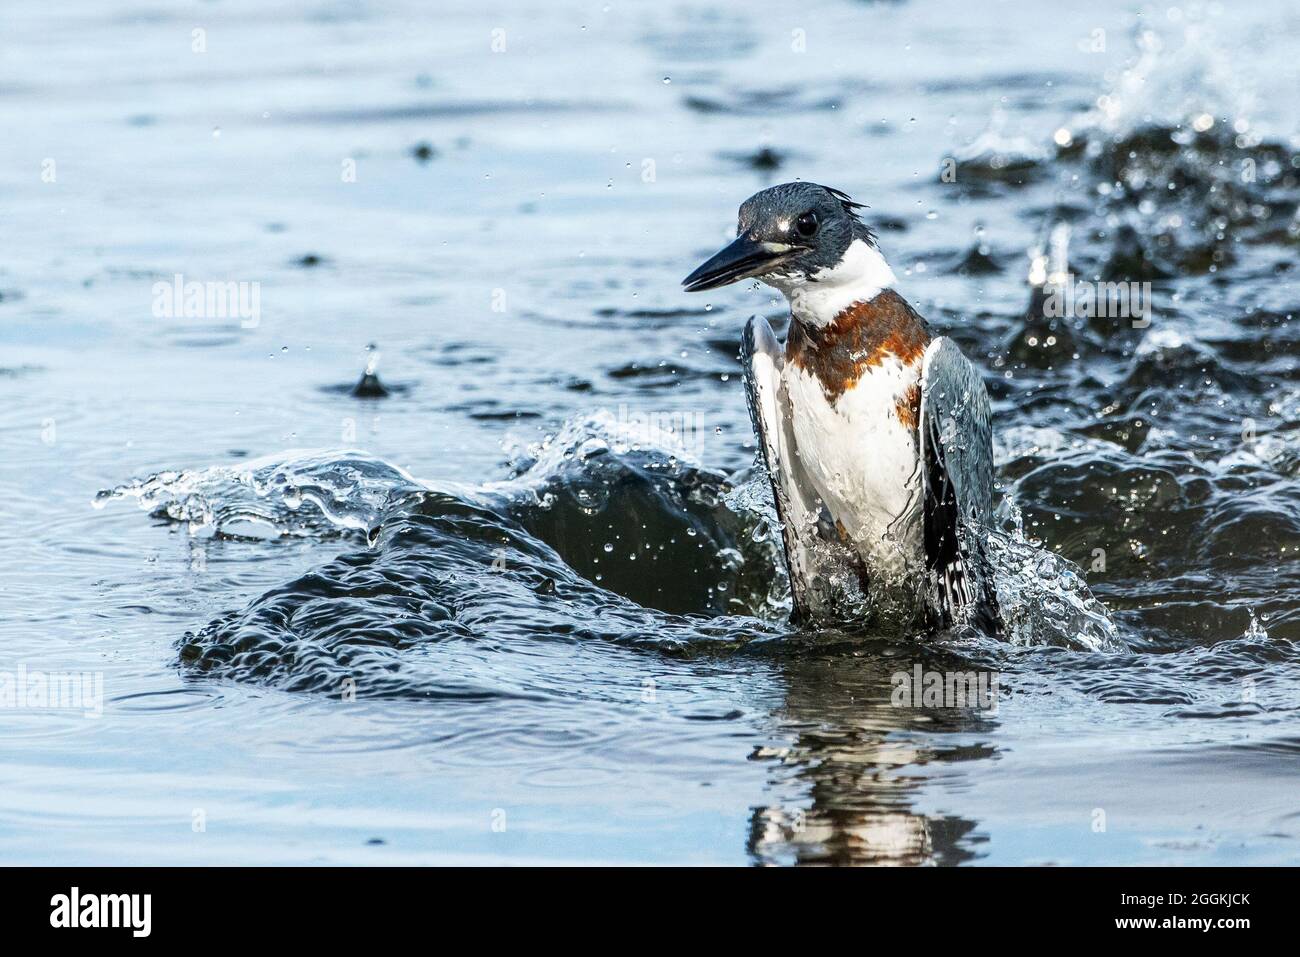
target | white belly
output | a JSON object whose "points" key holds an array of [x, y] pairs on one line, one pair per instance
{"points": [[863, 462]]}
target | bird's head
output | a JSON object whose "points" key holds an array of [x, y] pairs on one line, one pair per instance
{"points": [[785, 236]]}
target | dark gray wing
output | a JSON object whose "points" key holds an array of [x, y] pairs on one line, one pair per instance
{"points": [[763, 358], [957, 482], [815, 564]]}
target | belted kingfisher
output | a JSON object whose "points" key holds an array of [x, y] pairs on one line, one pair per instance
{"points": [[875, 432]]}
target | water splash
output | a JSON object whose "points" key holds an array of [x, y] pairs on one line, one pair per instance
{"points": [[300, 493], [998, 157], [599, 535], [1181, 175], [1175, 79]]}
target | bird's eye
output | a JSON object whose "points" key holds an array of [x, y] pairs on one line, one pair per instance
{"points": [[806, 225]]}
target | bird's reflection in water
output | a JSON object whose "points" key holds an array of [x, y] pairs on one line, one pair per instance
{"points": [[848, 765]]}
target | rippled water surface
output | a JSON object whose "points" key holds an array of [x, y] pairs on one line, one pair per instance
{"points": [[515, 599]]}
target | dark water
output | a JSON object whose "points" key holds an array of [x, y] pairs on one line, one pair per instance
{"points": [[565, 640]]}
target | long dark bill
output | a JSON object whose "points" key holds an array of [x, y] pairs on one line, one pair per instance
{"points": [[742, 259]]}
